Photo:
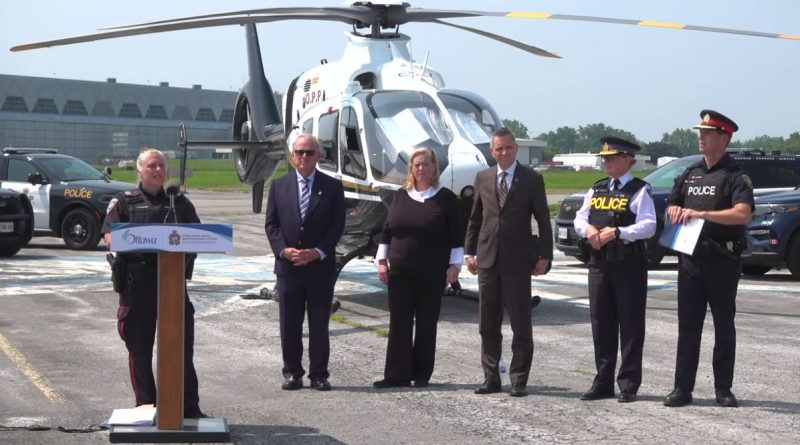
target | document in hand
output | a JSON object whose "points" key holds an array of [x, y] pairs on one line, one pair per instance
{"points": [[133, 416], [681, 237]]}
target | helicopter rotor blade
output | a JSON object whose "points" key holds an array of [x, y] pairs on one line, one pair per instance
{"points": [[169, 27], [516, 44], [375, 16], [648, 23], [348, 15]]}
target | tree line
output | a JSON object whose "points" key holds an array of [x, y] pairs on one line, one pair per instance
{"points": [[680, 142]]}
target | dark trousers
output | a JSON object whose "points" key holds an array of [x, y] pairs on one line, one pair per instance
{"points": [[707, 278], [499, 286], [410, 355], [136, 324], [300, 292], [617, 301]]}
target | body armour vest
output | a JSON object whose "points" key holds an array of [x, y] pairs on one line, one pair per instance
{"points": [[153, 210], [710, 190], [611, 208]]}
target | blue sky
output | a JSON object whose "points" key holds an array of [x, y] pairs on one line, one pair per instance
{"points": [[647, 81]]}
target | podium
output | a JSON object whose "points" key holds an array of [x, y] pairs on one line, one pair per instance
{"points": [[171, 242]]}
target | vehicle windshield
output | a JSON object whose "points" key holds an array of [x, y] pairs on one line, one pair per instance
{"points": [[664, 177], [404, 121], [474, 121], [70, 169]]}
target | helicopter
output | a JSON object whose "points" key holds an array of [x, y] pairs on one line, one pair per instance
{"points": [[369, 109]]}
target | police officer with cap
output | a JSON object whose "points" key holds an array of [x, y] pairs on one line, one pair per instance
{"points": [[616, 218], [137, 287], [717, 190]]}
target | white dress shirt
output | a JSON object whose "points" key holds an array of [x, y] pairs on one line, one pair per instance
{"points": [[641, 204]]}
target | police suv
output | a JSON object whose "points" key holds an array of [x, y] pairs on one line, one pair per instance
{"points": [[16, 221], [69, 197], [769, 172]]}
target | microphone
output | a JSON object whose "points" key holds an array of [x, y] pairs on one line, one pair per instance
{"points": [[173, 189]]}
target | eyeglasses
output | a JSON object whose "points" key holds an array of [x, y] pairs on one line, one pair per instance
{"points": [[306, 153]]}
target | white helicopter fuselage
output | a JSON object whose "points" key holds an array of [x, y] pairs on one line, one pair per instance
{"points": [[375, 100]]}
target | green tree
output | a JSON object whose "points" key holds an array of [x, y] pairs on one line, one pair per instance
{"points": [[563, 140], [518, 128], [659, 149], [683, 139], [591, 134]]}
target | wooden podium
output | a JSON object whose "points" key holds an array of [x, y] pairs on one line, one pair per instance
{"points": [[172, 242]]}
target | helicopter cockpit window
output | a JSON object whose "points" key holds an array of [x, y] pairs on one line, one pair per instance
{"points": [[352, 155], [328, 141], [308, 126], [473, 121], [405, 120]]}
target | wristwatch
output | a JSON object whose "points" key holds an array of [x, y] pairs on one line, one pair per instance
{"points": [[616, 233]]}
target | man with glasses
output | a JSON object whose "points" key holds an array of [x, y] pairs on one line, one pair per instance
{"points": [[305, 219], [616, 218]]}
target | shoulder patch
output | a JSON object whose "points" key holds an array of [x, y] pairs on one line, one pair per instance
{"points": [[111, 205], [747, 180]]}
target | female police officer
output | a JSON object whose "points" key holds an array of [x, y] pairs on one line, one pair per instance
{"points": [[616, 217], [138, 293]]}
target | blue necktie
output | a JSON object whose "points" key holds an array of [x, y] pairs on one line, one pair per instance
{"points": [[304, 194]]}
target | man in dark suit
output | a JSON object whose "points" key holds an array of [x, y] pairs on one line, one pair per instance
{"points": [[305, 219], [499, 233]]}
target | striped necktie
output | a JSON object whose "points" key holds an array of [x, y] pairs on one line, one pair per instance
{"points": [[502, 189], [304, 194]]}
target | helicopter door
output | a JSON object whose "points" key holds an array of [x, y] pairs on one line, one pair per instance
{"points": [[329, 143], [352, 155]]}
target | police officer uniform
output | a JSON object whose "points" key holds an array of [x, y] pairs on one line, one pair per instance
{"points": [[710, 275], [138, 294], [617, 274]]}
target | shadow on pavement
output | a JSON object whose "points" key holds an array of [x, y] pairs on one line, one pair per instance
{"points": [[279, 434]]}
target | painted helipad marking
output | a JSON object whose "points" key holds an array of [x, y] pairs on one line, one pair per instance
{"points": [[30, 372]]}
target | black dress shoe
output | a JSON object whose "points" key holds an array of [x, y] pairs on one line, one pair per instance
{"points": [[518, 391], [194, 413], [320, 384], [421, 383], [595, 393], [626, 397], [678, 397], [292, 383], [726, 398], [380, 384], [488, 387]]}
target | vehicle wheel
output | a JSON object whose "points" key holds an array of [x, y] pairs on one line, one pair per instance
{"points": [[655, 253], [751, 269], [80, 230], [793, 256], [7, 250]]}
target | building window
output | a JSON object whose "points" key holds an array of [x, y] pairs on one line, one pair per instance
{"points": [[155, 112], [206, 115], [75, 107], [226, 116], [181, 113], [15, 103], [46, 106], [103, 108], [130, 110]]}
